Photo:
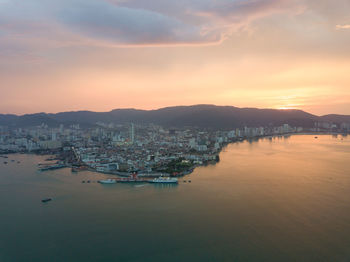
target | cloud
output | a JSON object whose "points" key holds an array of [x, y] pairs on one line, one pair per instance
{"points": [[133, 22], [340, 27], [211, 21], [129, 26]]}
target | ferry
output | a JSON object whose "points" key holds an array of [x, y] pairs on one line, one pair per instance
{"points": [[167, 180], [133, 178], [108, 181]]}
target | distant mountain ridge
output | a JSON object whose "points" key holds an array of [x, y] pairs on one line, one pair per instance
{"points": [[202, 116]]}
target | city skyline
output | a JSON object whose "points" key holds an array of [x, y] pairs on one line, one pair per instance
{"points": [[99, 55]]}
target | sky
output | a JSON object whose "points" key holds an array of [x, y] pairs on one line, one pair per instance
{"points": [[68, 55]]}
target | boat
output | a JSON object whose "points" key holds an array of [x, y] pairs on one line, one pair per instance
{"points": [[167, 180], [46, 200], [133, 178], [51, 167], [50, 159], [5, 162], [108, 181]]}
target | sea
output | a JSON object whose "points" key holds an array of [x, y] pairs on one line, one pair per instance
{"points": [[271, 199]]}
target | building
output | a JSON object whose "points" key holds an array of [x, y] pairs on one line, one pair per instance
{"points": [[132, 133]]}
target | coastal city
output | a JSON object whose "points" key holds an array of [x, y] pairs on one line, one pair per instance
{"points": [[125, 149], [168, 131]]}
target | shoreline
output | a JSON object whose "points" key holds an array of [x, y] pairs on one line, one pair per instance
{"points": [[184, 173]]}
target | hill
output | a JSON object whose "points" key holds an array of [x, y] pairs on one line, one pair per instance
{"points": [[202, 116]]}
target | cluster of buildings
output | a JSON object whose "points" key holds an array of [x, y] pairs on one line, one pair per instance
{"points": [[149, 148], [331, 127]]}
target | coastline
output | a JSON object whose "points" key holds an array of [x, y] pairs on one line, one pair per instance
{"points": [[63, 163]]}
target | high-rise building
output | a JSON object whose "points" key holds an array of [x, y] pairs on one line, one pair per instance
{"points": [[53, 136], [132, 133]]}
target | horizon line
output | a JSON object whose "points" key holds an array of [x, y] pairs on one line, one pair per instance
{"points": [[159, 108]]}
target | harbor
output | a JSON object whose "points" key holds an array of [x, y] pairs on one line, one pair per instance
{"points": [[134, 178]]}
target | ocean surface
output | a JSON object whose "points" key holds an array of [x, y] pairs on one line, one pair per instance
{"points": [[279, 199]]}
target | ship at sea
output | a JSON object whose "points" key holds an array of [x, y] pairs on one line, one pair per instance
{"points": [[108, 181], [166, 180], [133, 178], [51, 167]]}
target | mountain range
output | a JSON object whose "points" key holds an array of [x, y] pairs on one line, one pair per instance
{"points": [[202, 116]]}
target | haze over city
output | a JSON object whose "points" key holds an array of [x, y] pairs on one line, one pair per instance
{"points": [[99, 55], [174, 130]]}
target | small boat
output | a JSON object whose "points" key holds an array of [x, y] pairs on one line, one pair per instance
{"points": [[46, 200], [166, 180], [51, 167], [108, 181]]}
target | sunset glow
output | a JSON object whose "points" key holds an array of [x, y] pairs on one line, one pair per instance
{"points": [[174, 130], [279, 54]]}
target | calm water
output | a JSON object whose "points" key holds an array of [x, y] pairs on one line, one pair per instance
{"points": [[284, 199]]}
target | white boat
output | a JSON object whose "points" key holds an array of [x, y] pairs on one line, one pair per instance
{"points": [[108, 181], [161, 179]]}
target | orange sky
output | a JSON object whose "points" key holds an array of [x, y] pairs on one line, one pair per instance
{"points": [[263, 53]]}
